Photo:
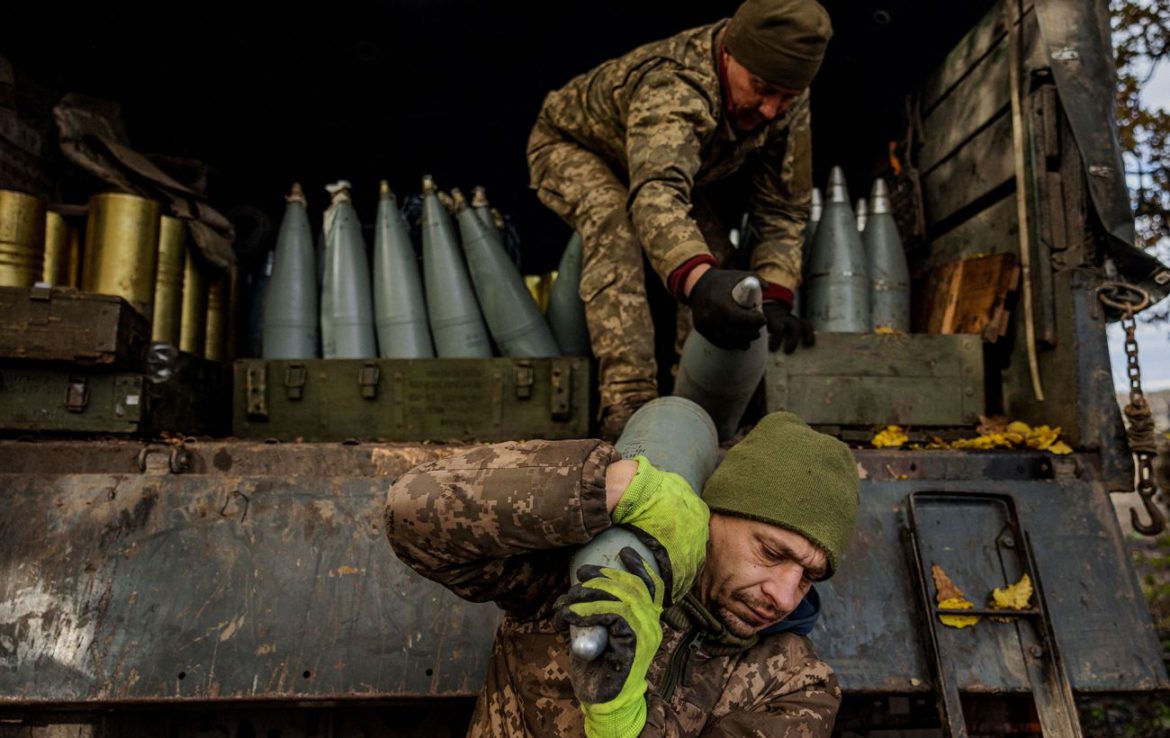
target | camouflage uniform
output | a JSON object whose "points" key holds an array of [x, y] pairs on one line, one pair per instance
{"points": [[618, 153], [500, 523]]}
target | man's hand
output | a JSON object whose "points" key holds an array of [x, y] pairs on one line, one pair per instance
{"points": [[786, 327], [612, 688], [717, 316], [675, 523]]}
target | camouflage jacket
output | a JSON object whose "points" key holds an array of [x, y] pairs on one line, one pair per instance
{"points": [[500, 523], [657, 115]]}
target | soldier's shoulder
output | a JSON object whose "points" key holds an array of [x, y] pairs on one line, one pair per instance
{"points": [[692, 49]]}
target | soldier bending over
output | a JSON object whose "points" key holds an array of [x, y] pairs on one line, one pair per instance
{"points": [[705, 649], [624, 153]]}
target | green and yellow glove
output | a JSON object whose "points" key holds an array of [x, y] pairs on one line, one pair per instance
{"points": [[671, 519], [612, 688]]}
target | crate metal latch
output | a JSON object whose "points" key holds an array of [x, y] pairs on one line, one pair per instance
{"points": [[525, 378], [77, 395], [368, 377], [256, 389], [295, 375], [560, 399]]}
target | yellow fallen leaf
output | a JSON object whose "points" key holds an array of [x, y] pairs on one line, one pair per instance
{"points": [[950, 597], [996, 432], [891, 436], [1014, 596], [957, 621]]}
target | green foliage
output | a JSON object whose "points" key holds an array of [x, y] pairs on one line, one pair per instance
{"points": [[1141, 37], [1153, 567]]}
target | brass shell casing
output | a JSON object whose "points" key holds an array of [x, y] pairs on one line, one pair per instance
{"points": [[168, 282], [193, 323], [121, 248], [56, 263], [22, 239], [218, 301], [74, 255]]}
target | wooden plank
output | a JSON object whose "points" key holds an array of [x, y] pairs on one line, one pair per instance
{"points": [[977, 99], [989, 31], [978, 42], [870, 379], [980, 166], [968, 296], [994, 230]]}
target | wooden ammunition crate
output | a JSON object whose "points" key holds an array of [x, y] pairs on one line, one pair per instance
{"points": [[412, 399], [194, 400], [62, 325], [867, 379]]}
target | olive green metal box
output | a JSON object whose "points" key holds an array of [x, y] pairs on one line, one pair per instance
{"points": [[412, 399], [62, 325], [868, 379], [192, 400]]}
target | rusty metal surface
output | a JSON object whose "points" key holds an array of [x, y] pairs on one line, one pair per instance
{"points": [[259, 563], [870, 630], [240, 458], [161, 586]]}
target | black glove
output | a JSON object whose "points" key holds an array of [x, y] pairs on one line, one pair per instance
{"points": [[717, 316], [786, 327], [628, 604]]}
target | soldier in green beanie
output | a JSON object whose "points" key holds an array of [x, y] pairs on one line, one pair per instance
{"points": [[714, 643], [629, 155]]}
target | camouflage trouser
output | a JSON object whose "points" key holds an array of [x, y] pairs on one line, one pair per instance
{"points": [[582, 189], [585, 192]]}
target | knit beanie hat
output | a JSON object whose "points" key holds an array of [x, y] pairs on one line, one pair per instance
{"points": [[787, 474], [780, 41]]}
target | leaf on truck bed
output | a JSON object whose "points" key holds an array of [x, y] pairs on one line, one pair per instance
{"points": [[1012, 597], [950, 597], [892, 436]]}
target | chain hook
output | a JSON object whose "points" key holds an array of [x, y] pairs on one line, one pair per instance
{"points": [[1129, 300], [1146, 491]]}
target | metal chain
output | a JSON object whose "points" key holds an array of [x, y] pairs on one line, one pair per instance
{"points": [[1130, 300]]}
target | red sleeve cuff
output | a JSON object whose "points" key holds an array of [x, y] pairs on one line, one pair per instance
{"points": [[778, 293], [678, 277]]}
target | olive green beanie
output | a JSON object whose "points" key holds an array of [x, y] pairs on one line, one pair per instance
{"points": [[787, 474], [780, 41]]}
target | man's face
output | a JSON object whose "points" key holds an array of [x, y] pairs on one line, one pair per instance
{"points": [[753, 101], [756, 573]]}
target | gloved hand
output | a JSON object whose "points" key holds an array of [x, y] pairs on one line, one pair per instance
{"points": [[717, 316], [674, 521], [786, 327], [612, 688]]}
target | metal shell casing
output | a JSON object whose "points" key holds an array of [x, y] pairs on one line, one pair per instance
{"points": [[193, 322], [837, 290], [168, 281], [400, 310], [566, 309], [121, 248], [22, 239], [215, 345]]}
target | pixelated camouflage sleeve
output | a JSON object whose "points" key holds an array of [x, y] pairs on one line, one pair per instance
{"points": [[785, 691], [482, 523], [780, 203], [669, 118]]}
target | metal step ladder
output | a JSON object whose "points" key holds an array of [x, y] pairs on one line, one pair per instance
{"points": [[930, 520]]}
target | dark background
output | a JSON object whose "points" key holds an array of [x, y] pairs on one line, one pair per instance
{"points": [[268, 95]]}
